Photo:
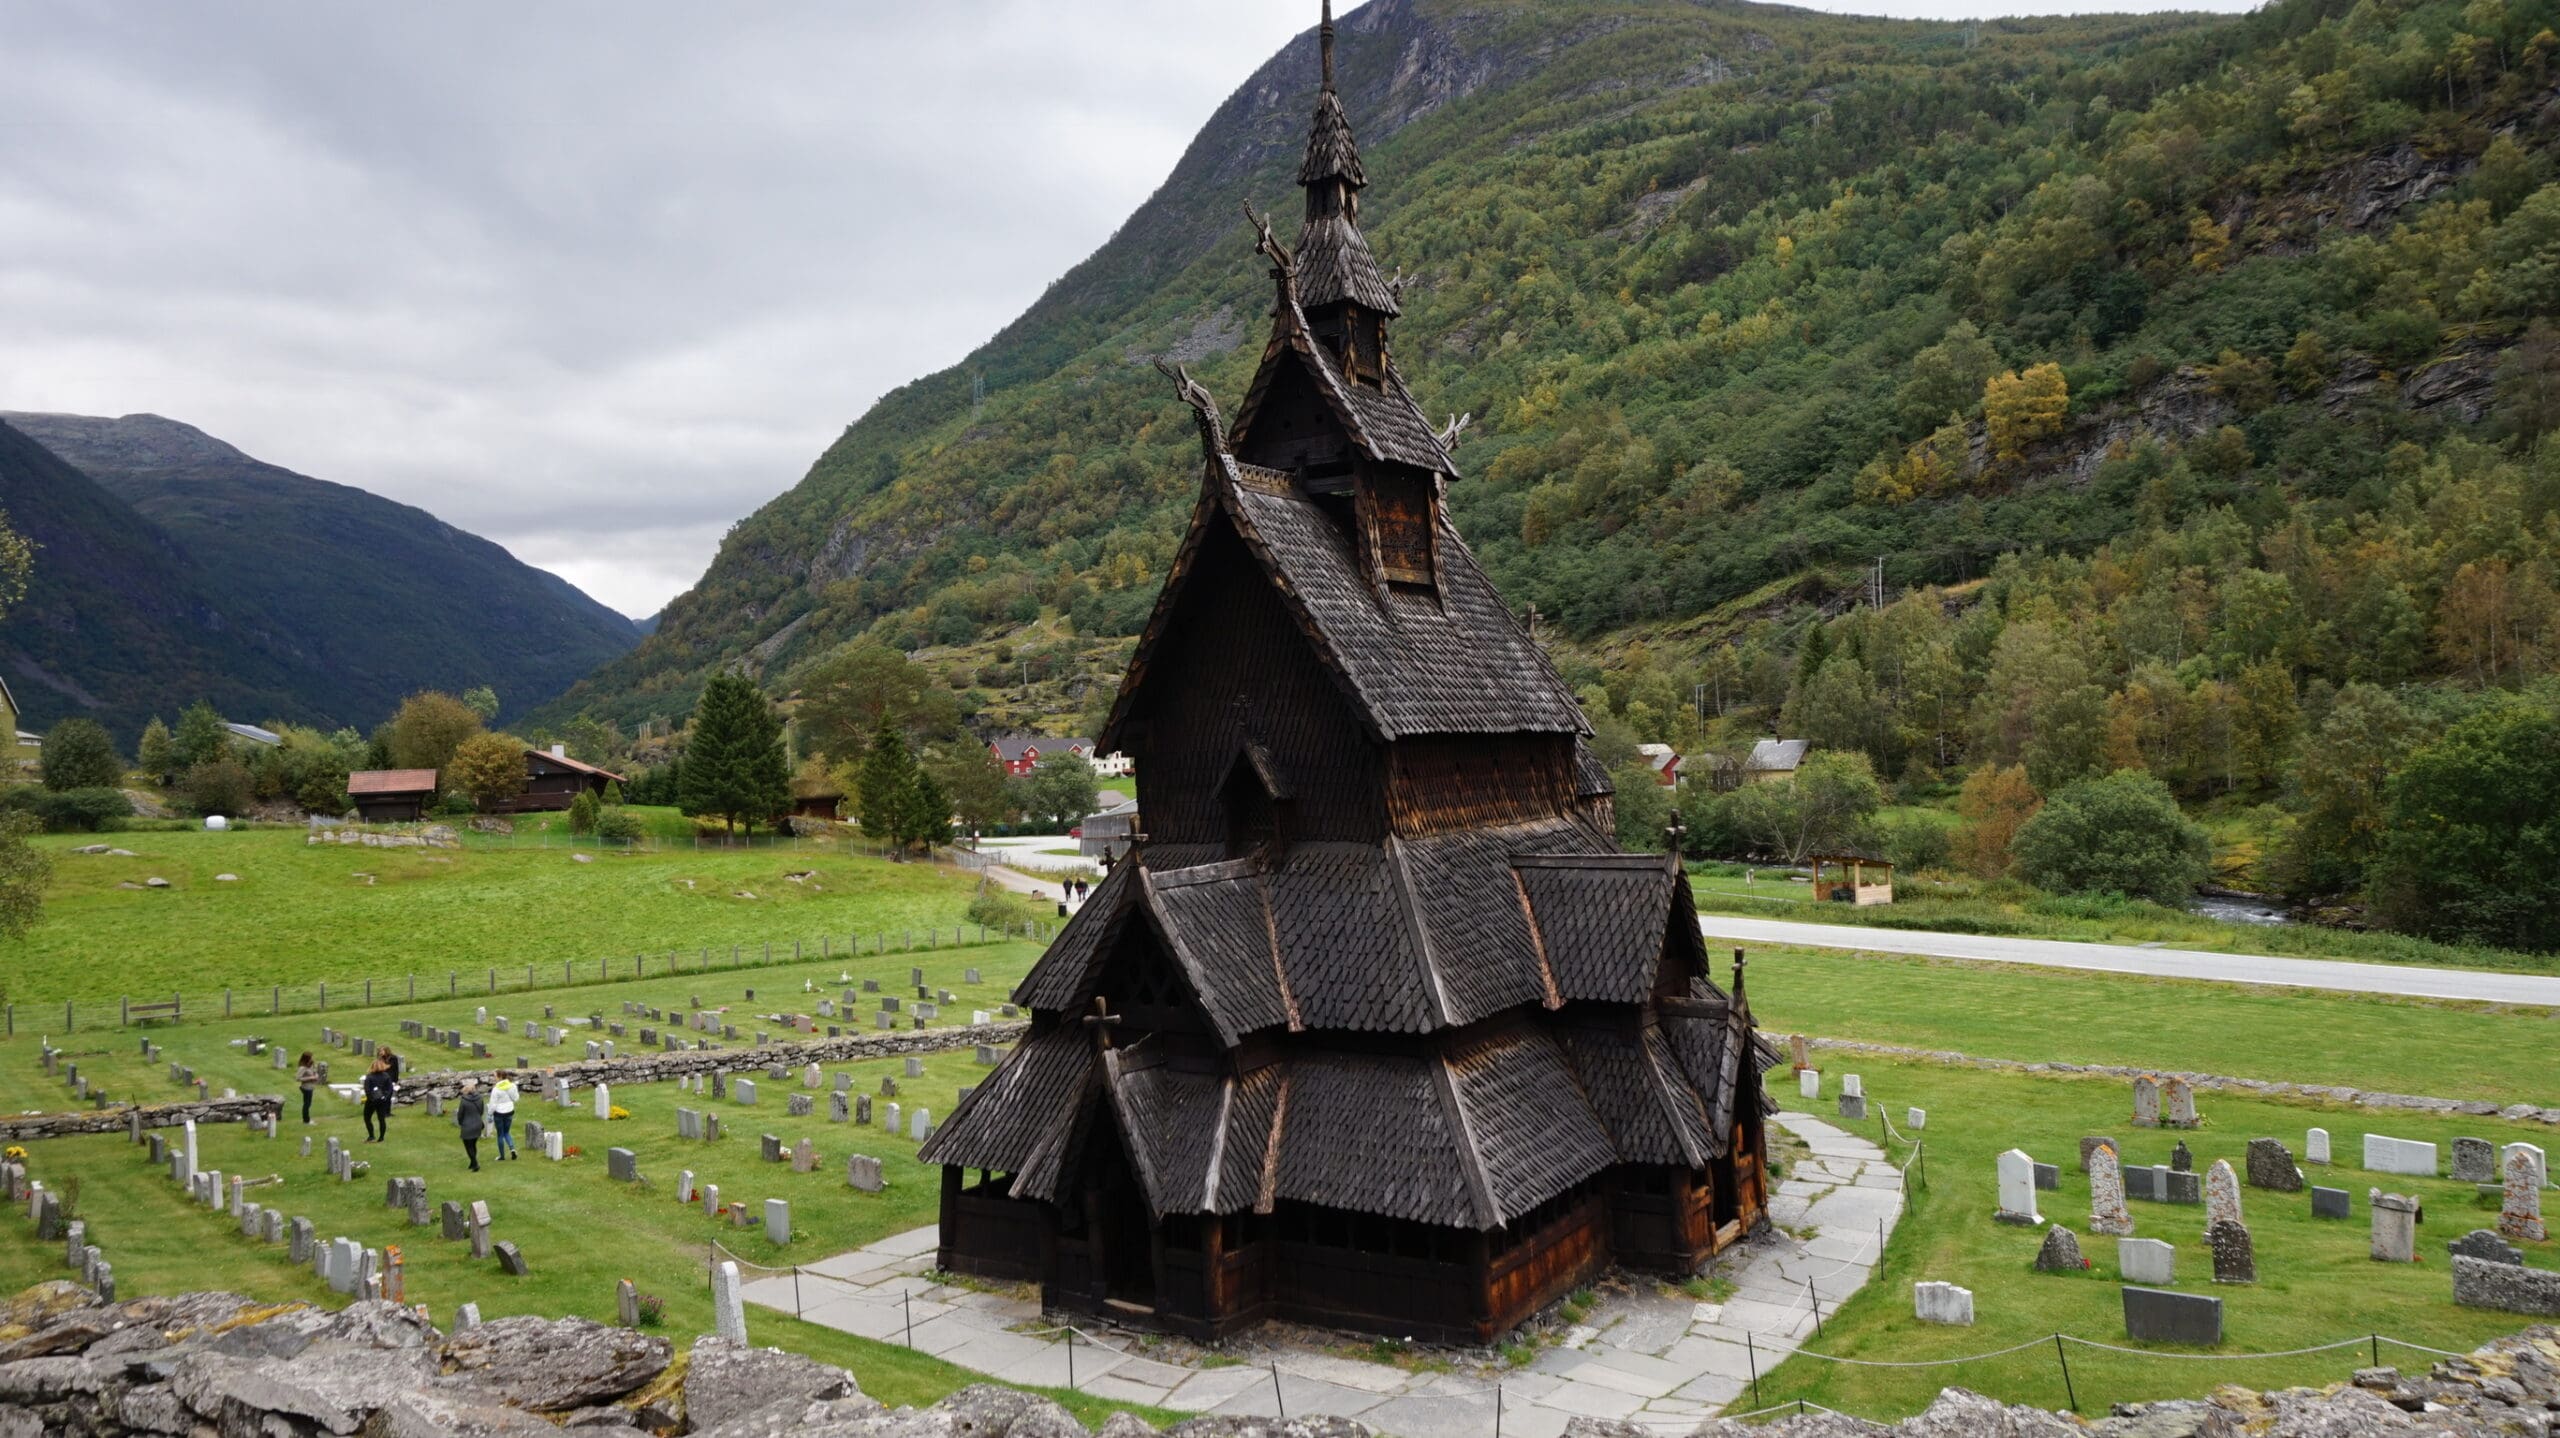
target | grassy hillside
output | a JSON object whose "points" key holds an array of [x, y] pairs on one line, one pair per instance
{"points": [[369, 599]]}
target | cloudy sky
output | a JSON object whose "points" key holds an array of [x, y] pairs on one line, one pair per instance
{"points": [[592, 279]]}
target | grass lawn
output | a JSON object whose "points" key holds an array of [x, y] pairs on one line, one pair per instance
{"points": [[2418, 1046], [2316, 1283], [1963, 907], [299, 913]]}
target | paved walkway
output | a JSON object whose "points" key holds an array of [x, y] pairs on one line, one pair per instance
{"points": [[2484, 986], [1662, 1361]]}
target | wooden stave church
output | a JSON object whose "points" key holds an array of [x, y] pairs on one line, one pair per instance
{"points": [[1377, 1029]]}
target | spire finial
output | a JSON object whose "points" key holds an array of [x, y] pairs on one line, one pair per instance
{"points": [[1324, 43]]}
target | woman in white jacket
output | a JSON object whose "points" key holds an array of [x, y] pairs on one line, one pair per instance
{"points": [[502, 1109]]}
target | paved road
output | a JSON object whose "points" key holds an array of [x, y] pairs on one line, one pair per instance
{"points": [[2480, 985]]}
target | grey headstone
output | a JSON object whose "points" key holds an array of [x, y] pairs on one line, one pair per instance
{"points": [[2146, 1260], [2048, 1176], [2509, 1287], [2475, 1160], [2061, 1251], [777, 1220], [2484, 1244], [2270, 1165], [863, 1172], [772, 1148], [2153, 1315], [622, 1164], [2332, 1203], [2143, 1182], [2182, 1158], [1854, 1106], [454, 1229], [914, 1067], [2089, 1145], [728, 1307], [2185, 1187], [510, 1261], [2235, 1259]]}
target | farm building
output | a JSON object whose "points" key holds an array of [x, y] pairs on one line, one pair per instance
{"points": [[1774, 759], [1374, 1027], [392, 796], [1021, 753], [553, 781]]}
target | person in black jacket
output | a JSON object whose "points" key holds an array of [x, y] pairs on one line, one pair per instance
{"points": [[468, 1119], [378, 1089]]}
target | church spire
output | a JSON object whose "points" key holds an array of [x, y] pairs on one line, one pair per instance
{"points": [[1324, 43], [1336, 266]]}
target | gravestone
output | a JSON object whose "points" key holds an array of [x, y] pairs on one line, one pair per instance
{"points": [[862, 1171], [2178, 1099], [2061, 1251], [711, 1200], [451, 1214], [1853, 1106], [711, 1128], [2520, 1213], [800, 1106], [2155, 1315], [772, 1148], [553, 1146], [2475, 1160], [688, 1123], [970, 976], [510, 1260], [813, 1076], [2331, 1203], [914, 1066], [888, 1086], [271, 1226], [920, 1127], [626, 1303], [2221, 1195], [777, 1220], [2146, 1102], [2486, 1246], [2107, 1212], [844, 1083], [298, 1240], [2541, 1166], [745, 1090], [719, 1084], [839, 1109], [2399, 1155], [604, 1102], [2049, 1177], [2145, 1181], [1853, 1084], [1942, 1303], [881, 1021], [419, 1216], [685, 1190], [2182, 1158], [1809, 1083], [2146, 1260], [622, 1164], [889, 1119], [2089, 1142], [2271, 1166], [804, 1157], [2395, 1226], [1915, 1119], [862, 1109], [75, 1242], [2187, 1188], [2234, 1259], [2017, 1186], [728, 1307], [2508, 1287]]}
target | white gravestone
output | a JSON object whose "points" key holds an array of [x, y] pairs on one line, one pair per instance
{"points": [[728, 1306], [2146, 1261], [2315, 1146], [2018, 1189], [604, 1101], [1809, 1083], [2399, 1155], [1942, 1303]]}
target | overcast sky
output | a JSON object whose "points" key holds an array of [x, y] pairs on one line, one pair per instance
{"points": [[591, 279]]}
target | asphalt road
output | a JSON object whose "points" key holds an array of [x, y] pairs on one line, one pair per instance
{"points": [[2478, 985]]}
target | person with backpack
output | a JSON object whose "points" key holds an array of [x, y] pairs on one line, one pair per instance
{"points": [[307, 1074], [502, 1107], [467, 1118], [379, 1086]]}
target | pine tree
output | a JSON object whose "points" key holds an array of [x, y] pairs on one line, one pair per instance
{"points": [[734, 766], [925, 813], [888, 771], [159, 753]]}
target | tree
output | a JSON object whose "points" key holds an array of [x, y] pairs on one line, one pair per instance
{"points": [[488, 768], [925, 811], [428, 727], [1825, 806], [880, 789], [2070, 738], [2021, 408], [79, 755], [483, 701], [2343, 783], [845, 699], [159, 753], [1643, 807], [2472, 851], [217, 786], [2118, 834], [975, 780], [584, 811], [1946, 378], [200, 739], [1059, 792], [25, 872], [1994, 804], [1838, 709], [734, 765]]}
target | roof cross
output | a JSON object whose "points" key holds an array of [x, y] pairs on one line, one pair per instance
{"points": [[1324, 43], [1672, 833]]}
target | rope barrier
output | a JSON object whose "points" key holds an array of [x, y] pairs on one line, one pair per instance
{"points": [[2223, 1357], [2115, 1348], [1920, 1363]]}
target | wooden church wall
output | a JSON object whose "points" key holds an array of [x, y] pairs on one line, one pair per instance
{"points": [[1441, 782], [1233, 639]]}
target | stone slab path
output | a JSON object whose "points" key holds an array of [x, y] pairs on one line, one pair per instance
{"points": [[1662, 1361], [2412, 980]]}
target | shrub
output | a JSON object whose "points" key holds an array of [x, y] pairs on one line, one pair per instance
{"points": [[1913, 843], [216, 786], [2468, 853], [2121, 834], [621, 826], [998, 909], [79, 755], [75, 811], [584, 811]]}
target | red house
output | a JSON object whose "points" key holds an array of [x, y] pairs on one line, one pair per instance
{"points": [[1020, 753]]}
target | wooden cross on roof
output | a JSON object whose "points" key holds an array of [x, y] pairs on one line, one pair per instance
{"points": [[1672, 835]]}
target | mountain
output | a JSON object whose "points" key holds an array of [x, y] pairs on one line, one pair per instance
{"points": [[2165, 377], [186, 559]]}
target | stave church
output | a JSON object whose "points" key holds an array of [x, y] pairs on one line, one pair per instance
{"points": [[1375, 1027]]}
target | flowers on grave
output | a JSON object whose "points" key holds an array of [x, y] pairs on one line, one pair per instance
{"points": [[14, 1153], [615, 1112], [571, 1151], [653, 1311]]}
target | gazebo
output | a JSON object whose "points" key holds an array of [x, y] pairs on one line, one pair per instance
{"points": [[1852, 878]]}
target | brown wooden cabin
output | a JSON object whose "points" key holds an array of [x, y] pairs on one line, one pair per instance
{"points": [[392, 796], [1375, 1027], [553, 781]]}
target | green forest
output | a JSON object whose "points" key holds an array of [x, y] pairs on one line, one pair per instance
{"points": [[2163, 393]]}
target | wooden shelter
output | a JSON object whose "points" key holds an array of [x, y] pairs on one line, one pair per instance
{"points": [[1374, 1027], [392, 796], [1852, 878]]}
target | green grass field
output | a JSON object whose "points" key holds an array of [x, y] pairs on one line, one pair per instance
{"points": [[298, 913], [2316, 1282], [1961, 906], [2419, 1046]]}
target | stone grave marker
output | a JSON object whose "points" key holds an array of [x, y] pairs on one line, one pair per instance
{"points": [[2271, 1166], [839, 1110], [298, 1240], [2234, 1258], [890, 1116], [626, 1303], [2533, 1151], [2144, 1181], [2395, 1226], [1809, 1083], [920, 1127], [772, 1148], [2049, 1177], [451, 1214], [2107, 1213], [745, 1091], [622, 1164], [2017, 1186], [800, 1106], [2089, 1143], [914, 1066], [2509, 1287], [604, 1102], [2146, 1102], [1853, 1106], [2486, 1246], [2155, 1315], [2061, 1251], [2399, 1155], [1942, 1303], [862, 1171], [2182, 1158], [728, 1306], [2520, 1212], [2221, 1195], [2178, 1097], [2475, 1160], [2146, 1260], [804, 1157], [862, 1109], [711, 1200], [510, 1260], [2331, 1203], [2187, 1188]]}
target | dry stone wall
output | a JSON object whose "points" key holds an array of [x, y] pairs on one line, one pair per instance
{"points": [[21, 1128], [650, 1066]]}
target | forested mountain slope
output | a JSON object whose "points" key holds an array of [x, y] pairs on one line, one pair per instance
{"points": [[372, 599], [2185, 374]]}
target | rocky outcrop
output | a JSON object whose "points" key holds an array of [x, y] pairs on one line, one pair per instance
{"points": [[217, 1363]]}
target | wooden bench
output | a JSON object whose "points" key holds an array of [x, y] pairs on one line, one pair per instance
{"points": [[168, 1010]]}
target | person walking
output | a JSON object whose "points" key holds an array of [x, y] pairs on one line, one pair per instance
{"points": [[502, 1107], [467, 1118], [307, 1074], [379, 1086], [391, 1061]]}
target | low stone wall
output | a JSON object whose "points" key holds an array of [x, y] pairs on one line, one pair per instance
{"points": [[126, 1118], [651, 1066]]}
